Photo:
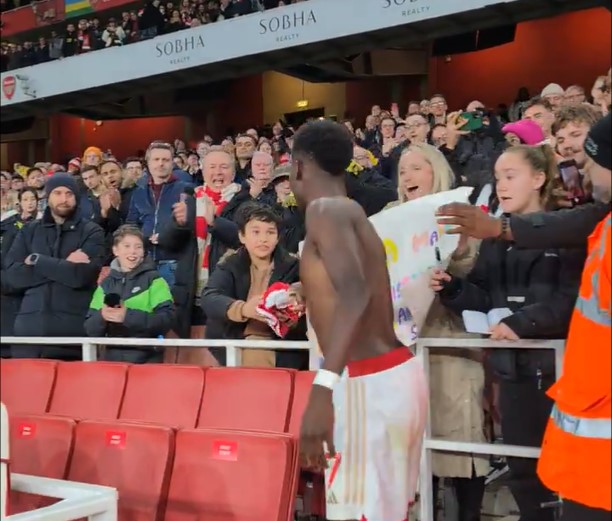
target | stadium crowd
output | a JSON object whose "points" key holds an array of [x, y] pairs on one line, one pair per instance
{"points": [[154, 19], [184, 241]]}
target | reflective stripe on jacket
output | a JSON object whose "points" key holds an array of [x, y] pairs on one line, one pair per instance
{"points": [[576, 452]]}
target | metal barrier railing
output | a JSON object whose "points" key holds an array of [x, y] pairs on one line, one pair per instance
{"points": [[78, 500], [233, 348], [429, 444]]}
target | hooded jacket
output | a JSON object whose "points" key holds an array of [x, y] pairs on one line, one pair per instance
{"points": [[146, 296]]}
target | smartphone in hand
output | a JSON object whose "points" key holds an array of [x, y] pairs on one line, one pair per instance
{"points": [[572, 180]]}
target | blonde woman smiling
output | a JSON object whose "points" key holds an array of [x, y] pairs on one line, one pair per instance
{"points": [[456, 376]]}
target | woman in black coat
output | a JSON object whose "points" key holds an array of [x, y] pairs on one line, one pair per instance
{"points": [[9, 228], [535, 290]]}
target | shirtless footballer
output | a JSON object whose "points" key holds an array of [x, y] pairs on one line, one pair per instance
{"points": [[368, 402]]}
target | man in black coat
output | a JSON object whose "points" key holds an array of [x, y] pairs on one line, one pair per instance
{"points": [[55, 261]]}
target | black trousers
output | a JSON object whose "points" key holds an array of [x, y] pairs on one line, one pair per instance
{"points": [[469, 492], [576, 512], [68, 353], [134, 356], [525, 410]]}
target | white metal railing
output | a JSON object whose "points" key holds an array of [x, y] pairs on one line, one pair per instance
{"points": [[429, 444], [233, 348], [79, 500]]}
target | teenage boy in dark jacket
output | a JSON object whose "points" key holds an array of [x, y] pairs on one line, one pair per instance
{"points": [[235, 288], [133, 301]]}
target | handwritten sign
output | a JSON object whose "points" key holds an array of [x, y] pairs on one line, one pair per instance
{"points": [[411, 236]]}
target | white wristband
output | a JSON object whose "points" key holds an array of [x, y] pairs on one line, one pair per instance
{"points": [[326, 378]]}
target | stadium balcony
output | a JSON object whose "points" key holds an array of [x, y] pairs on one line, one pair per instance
{"points": [[306, 39]]}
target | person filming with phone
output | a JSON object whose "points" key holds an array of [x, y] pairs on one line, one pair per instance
{"points": [[570, 130], [474, 141]]}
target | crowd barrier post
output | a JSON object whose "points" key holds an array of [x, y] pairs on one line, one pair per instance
{"points": [[423, 345], [233, 355], [89, 352]]}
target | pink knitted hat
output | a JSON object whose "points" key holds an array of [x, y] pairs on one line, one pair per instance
{"points": [[527, 131]]}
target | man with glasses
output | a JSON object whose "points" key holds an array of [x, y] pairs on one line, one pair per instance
{"points": [[417, 128], [438, 108]]}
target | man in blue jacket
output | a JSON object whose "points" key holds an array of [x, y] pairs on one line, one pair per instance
{"points": [[55, 261], [154, 206]]}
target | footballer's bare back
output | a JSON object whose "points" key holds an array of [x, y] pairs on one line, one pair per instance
{"points": [[343, 263]]}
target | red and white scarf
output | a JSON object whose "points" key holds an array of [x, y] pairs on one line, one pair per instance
{"points": [[279, 298], [220, 200]]}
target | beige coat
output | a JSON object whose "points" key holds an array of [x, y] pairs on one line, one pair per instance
{"points": [[457, 382]]}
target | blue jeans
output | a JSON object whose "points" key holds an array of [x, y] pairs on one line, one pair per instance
{"points": [[167, 270]]}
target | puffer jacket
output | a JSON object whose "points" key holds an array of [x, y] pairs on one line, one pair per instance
{"points": [[146, 296], [56, 292]]}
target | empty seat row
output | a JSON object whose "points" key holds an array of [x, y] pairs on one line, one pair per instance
{"points": [[173, 395], [159, 472]]}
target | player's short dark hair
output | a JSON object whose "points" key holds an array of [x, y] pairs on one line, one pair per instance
{"points": [[327, 143], [253, 211]]}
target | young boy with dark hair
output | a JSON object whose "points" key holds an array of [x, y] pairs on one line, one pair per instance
{"points": [[235, 289], [133, 301]]}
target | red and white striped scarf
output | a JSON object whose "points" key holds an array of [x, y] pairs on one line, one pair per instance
{"points": [[220, 200]]}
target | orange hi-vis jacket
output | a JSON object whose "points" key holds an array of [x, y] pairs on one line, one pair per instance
{"points": [[576, 452]]}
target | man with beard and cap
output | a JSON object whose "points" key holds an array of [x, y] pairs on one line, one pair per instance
{"points": [[55, 261]]}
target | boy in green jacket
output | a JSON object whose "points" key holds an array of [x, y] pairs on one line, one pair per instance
{"points": [[132, 301]]}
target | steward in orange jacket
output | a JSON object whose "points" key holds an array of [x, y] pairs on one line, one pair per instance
{"points": [[576, 458]]}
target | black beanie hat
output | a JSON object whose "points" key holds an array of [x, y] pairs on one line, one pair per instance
{"points": [[61, 179], [598, 143]]}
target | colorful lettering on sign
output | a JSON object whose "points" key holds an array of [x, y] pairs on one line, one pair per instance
{"points": [[428, 238], [391, 251], [403, 315], [418, 242]]}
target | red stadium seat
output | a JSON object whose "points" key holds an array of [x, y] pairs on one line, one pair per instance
{"points": [[40, 446], [89, 390], [133, 458], [246, 399], [26, 385], [221, 475], [301, 393], [166, 394]]}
